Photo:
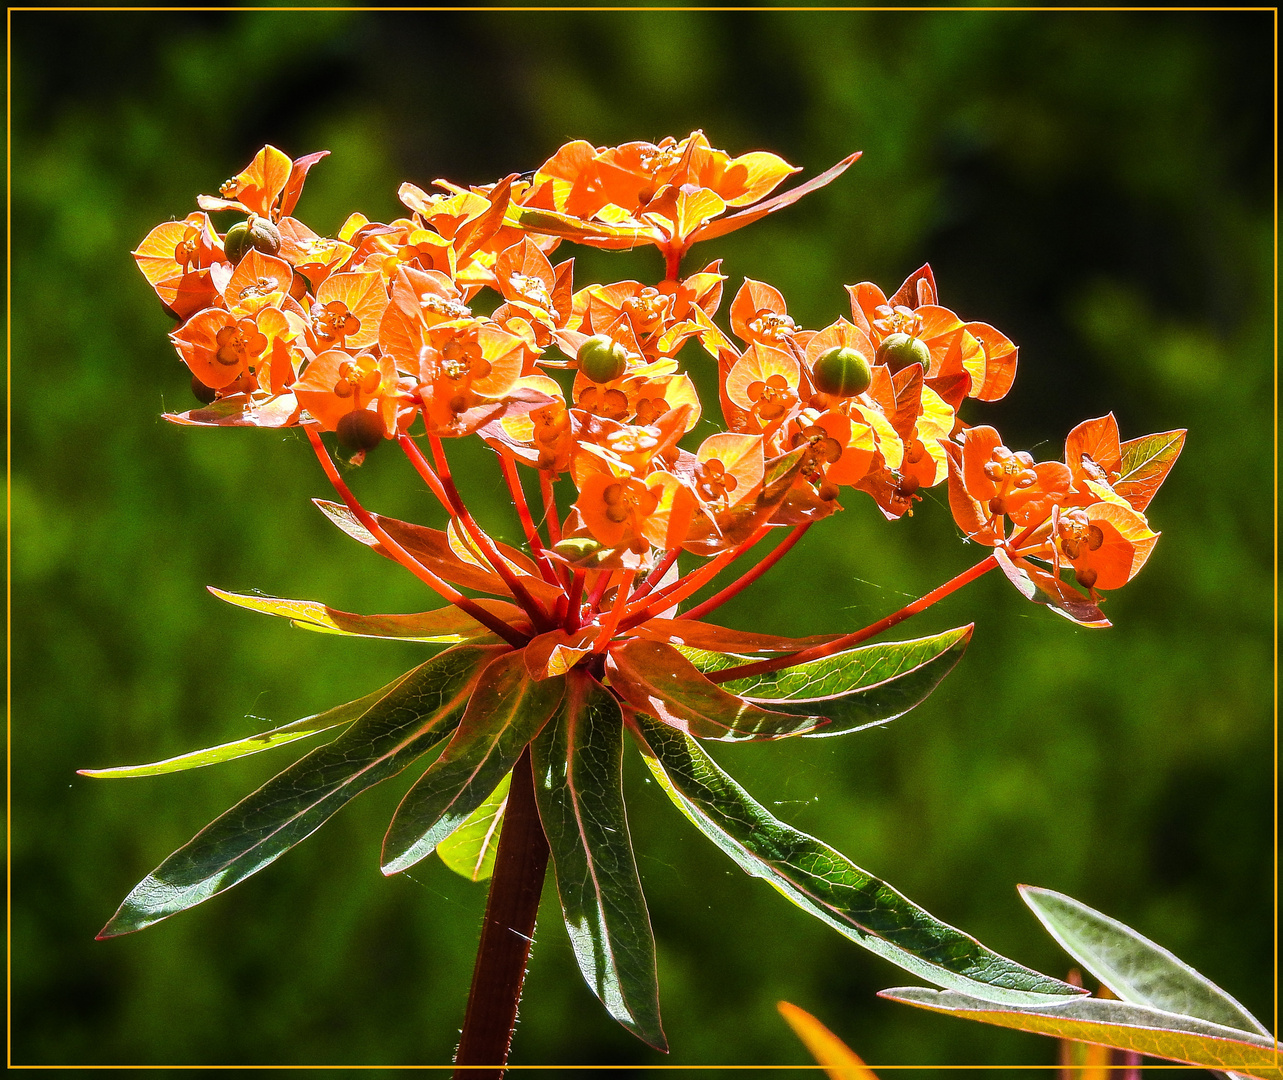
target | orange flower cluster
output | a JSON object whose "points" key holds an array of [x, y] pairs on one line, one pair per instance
{"points": [[382, 327]]}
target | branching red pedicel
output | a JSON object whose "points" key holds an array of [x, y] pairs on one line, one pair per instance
{"points": [[378, 335]]}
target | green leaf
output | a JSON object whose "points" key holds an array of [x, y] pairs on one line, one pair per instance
{"points": [[1133, 967], [860, 688], [829, 886], [446, 625], [254, 744], [507, 710], [578, 767], [1119, 1024], [1145, 464], [404, 724], [658, 680], [471, 848]]}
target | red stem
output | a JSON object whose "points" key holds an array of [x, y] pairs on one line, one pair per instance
{"points": [[519, 591], [506, 934], [693, 582], [574, 599], [449, 592], [550, 507], [761, 667], [656, 574], [424, 470], [735, 587], [616, 612], [546, 569]]}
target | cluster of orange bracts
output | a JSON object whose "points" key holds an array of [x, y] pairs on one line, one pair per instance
{"points": [[373, 331]]}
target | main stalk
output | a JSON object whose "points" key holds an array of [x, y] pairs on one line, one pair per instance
{"points": [[506, 934]]}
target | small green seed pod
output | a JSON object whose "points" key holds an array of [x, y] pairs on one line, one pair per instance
{"points": [[360, 429], [257, 233], [602, 359], [841, 372], [898, 351], [577, 549]]}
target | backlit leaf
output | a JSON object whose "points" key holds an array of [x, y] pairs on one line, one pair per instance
{"points": [[445, 625], [1118, 1024], [1146, 463], [859, 688], [658, 680], [706, 636], [826, 884], [839, 1061], [1133, 967], [508, 708], [254, 744], [579, 788], [471, 848], [1042, 587], [407, 722]]}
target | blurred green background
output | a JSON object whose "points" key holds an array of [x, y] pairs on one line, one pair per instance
{"points": [[1096, 185]]}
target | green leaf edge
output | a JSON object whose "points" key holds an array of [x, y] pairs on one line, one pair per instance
{"points": [[253, 744], [1053, 909], [1042, 1021], [868, 939], [461, 851]]}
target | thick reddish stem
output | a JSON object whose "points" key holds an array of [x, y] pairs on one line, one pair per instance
{"points": [[574, 599], [599, 589], [546, 569], [446, 590], [519, 591], [737, 586], [693, 582], [506, 934], [839, 644], [673, 263]]}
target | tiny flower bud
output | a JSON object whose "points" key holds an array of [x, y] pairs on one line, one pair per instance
{"points": [[360, 429], [898, 351], [601, 359], [842, 372], [257, 233]]}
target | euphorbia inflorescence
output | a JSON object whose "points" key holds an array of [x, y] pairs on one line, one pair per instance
{"points": [[453, 321]]}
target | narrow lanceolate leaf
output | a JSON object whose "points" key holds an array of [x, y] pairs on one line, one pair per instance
{"points": [[266, 740], [1133, 967], [1116, 1023], [1145, 465], [658, 680], [826, 884], [471, 848], [446, 625], [579, 788], [507, 710], [863, 687], [693, 634], [838, 1059], [407, 722]]}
